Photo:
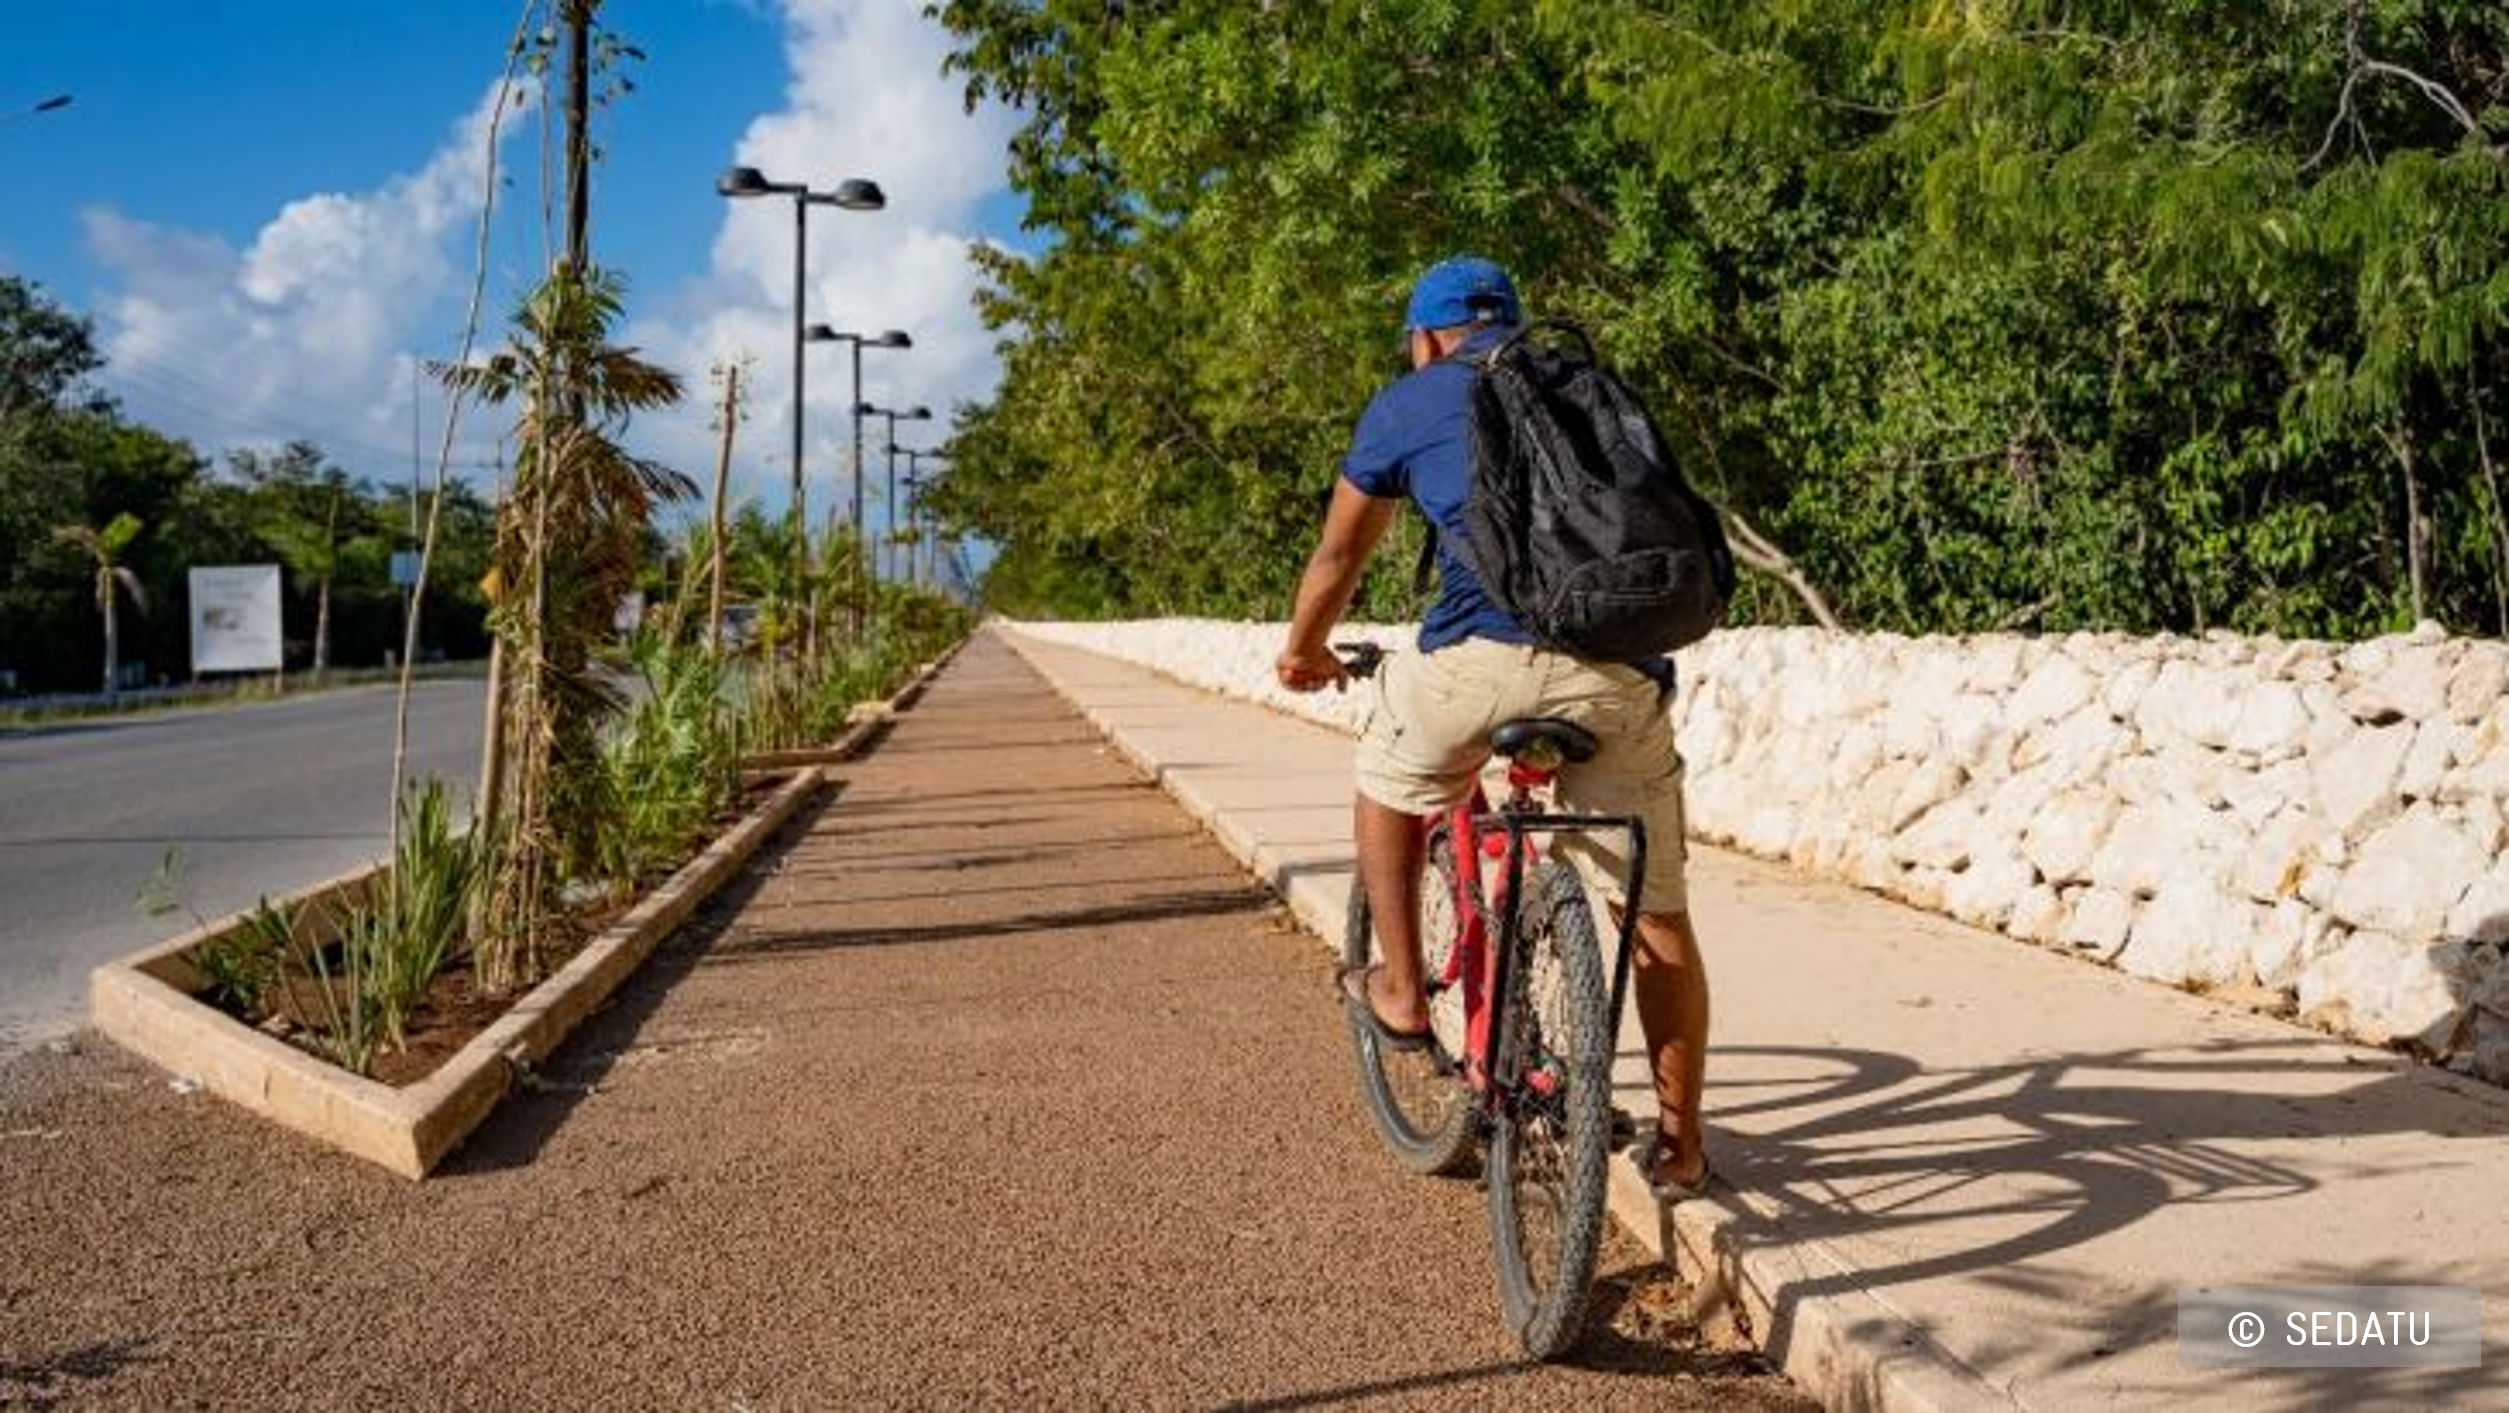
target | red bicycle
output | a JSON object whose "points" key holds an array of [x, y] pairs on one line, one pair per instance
{"points": [[1533, 1072]]}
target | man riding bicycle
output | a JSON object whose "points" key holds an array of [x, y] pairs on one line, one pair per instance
{"points": [[1430, 713]]}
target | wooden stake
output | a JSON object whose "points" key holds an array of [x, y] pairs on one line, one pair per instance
{"points": [[729, 419]]}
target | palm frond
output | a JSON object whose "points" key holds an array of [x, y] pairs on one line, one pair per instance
{"points": [[130, 585]]}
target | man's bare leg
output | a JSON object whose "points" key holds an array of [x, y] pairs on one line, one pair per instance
{"points": [[1389, 843], [1671, 982]]}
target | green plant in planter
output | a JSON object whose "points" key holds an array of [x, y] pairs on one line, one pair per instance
{"points": [[668, 766], [310, 987], [418, 920], [354, 991], [238, 969]]}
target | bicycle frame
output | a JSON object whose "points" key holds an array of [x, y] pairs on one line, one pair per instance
{"points": [[1483, 969]]}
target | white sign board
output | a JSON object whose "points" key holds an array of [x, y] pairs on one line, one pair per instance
{"points": [[235, 618]]}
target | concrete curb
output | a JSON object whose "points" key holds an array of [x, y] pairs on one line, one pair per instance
{"points": [[1794, 1299], [144, 1003], [866, 723]]}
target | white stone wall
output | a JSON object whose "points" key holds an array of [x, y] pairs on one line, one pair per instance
{"points": [[2310, 825]]}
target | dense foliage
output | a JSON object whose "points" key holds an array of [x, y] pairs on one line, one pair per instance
{"points": [[71, 462], [2008, 312]]}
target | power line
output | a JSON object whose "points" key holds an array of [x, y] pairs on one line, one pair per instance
{"points": [[156, 380], [213, 424]]}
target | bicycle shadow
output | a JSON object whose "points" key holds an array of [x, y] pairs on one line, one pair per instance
{"points": [[2005, 1173]]}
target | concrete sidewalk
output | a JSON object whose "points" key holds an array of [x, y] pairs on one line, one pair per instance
{"points": [[1964, 1171]]}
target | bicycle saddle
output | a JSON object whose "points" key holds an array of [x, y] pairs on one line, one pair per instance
{"points": [[1569, 741]]}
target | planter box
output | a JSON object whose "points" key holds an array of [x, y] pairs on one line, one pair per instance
{"points": [[145, 1003], [863, 725]]}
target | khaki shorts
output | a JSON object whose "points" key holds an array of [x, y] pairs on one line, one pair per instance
{"points": [[1427, 736]]}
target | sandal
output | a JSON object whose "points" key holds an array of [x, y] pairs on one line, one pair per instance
{"points": [[1665, 1190], [1355, 999]]}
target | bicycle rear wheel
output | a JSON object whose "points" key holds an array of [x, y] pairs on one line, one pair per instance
{"points": [[1549, 1155], [1417, 1098]]}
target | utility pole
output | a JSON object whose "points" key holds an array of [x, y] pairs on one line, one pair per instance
{"points": [[730, 418]]}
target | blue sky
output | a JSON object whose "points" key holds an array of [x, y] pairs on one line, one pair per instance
{"points": [[268, 206]]}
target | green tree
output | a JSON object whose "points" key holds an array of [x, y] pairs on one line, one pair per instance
{"points": [[45, 352], [68, 457], [113, 579], [2116, 315], [84, 467], [319, 523]]}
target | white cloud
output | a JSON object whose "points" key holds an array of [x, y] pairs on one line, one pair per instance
{"points": [[307, 330], [864, 97]]}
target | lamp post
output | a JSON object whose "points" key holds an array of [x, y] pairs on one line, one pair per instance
{"points": [[894, 338], [913, 482], [928, 573], [851, 194], [917, 413]]}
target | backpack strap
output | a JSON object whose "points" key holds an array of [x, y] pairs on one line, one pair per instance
{"points": [[1482, 361], [1558, 330]]}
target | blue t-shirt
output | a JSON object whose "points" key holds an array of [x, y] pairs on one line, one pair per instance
{"points": [[1415, 440]]}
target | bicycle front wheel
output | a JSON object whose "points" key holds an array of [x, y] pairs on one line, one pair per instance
{"points": [[1550, 1151], [1417, 1098]]}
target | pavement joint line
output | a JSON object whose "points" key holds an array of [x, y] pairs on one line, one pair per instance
{"points": [[1849, 1347]]}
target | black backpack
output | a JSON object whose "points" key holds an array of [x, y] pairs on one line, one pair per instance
{"points": [[1577, 524]]}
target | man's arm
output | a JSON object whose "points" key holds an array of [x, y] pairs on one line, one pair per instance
{"points": [[1352, 526]]}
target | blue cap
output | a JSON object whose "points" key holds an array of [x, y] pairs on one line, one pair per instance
{"points": [[1462, 289]]}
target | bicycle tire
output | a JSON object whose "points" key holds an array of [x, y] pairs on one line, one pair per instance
{"points": [[1549, 1159], [1416, 1099]]}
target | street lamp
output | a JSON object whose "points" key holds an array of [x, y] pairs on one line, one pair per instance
{"points": [[894, 338], [917, 413], [851, 194], [55, 103]]}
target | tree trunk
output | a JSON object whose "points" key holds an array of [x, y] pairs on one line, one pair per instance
{"points": [[322, 628], [578, 16], [2418, 529], [113, 632], [2500, 516], [322, 593]]}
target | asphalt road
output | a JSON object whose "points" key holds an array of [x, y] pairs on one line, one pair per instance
{"points": [[253, 800]]}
